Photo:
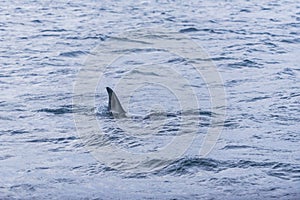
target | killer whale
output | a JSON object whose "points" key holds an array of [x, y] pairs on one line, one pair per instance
{"points": [[117, 111], [114, 105]]}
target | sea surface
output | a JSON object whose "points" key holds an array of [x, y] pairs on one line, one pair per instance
{"points": [[55, 135]]}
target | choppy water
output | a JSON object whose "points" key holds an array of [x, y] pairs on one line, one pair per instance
{"points": [[255, 47]]}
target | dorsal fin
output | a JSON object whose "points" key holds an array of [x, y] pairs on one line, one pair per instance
{"points": [[114, 105]]}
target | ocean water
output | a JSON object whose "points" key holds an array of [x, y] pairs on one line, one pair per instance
{"points": [[53, 143]]}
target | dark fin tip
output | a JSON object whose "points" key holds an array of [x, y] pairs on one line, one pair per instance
{"points": [[109, 90]]}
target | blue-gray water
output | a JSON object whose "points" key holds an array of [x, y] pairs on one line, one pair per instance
{"points": [[255, 47]]}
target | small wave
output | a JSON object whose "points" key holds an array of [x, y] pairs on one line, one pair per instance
{"points": [[221, 58], [190, 166], [93, 169], [4, 157], [36, 21], [132, 62], [17, 132], [187, 166], [4, 76], [72, 53], [53, 30], [138, 50], [177, 60], [54, 140], [236, 82], [291, 41], [192, 112], [287, 71], [256, 99], [96, 37], [245, 10], [61, 71], [216, 31], [57, 111], [285, 171], [227, 147], [245, 63], [65, 181], [46, 35], [23, 187], [188, 30], [135, 71]]}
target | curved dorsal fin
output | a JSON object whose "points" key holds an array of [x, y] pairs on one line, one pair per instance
{"points": [[114, 105]]}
